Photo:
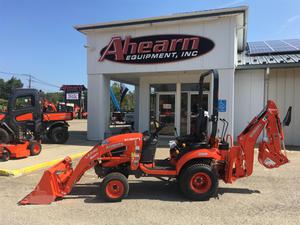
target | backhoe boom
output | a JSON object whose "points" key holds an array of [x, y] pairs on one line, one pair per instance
{"points": [[240, 162]]}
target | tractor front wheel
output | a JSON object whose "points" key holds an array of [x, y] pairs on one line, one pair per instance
{"points": [[35, 148], [198, 182], [114, 187], [5, 155]]}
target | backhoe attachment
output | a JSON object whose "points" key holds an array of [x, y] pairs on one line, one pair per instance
{"points": [[270, 154], [241, 157]]}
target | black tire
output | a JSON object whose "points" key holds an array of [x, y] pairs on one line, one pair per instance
{"points": [[114, 187], [4, 136], [35, 148], [5, 155], [198, 182], [59, 135]]}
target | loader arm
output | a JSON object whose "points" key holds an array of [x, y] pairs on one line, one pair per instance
{"points": [[59, 180], [241, 156]]}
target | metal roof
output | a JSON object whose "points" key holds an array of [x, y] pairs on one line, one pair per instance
{"points": [[262, 61]]}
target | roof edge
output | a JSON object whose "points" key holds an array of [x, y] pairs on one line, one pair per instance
{"points": [[174, 17]]}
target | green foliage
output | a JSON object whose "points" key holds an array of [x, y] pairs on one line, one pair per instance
{"points": [[3, 105], [54, 97], [7, 86]]}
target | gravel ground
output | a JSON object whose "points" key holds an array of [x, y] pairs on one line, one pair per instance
{"points": [[267, 197]]}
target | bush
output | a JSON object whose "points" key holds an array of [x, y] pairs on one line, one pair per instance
{"points": [[3, 105]]}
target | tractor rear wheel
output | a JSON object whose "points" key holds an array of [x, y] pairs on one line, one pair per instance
{"points": [[59, 135], [198, 182], [4, 136], [114, 187], [35, 148]]}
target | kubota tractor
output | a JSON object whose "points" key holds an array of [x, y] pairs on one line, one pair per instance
{"points": [[197, 161], [25, 123]]}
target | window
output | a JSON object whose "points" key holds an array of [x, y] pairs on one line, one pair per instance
{"points": [[24, 102]]}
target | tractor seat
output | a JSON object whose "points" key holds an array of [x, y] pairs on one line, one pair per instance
{"points": [[224, 146], [198, 145], [186, 138], [149, 148]]}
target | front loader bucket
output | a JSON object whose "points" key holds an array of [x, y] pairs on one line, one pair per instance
{"points": [[51, 185]]}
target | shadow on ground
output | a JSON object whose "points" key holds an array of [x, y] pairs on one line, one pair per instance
{"points": [[150, 190], [75, 138], [293, 148]]}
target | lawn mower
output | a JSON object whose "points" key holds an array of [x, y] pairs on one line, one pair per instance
{"points": [[197, 161], [22, 149]]}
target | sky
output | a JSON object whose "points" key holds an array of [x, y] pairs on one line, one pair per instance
{"points": [[37, 36]]}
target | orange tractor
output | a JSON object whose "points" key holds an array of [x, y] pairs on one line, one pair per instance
{"points": [[26, 121], [197, 161]]}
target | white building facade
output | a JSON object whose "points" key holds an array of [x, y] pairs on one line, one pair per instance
{"points": [[163, 58]]}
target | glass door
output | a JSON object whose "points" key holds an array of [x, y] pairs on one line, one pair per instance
{"points": [[166, 112], [189, 111], [194, 99], [184, 113]]}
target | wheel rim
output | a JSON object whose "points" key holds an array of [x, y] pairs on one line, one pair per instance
{"points": [[114, 189], [5, 156], [200, 183], [36, 148]]}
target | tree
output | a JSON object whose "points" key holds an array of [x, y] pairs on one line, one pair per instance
{"points": [[54, 97], [6, 87]]}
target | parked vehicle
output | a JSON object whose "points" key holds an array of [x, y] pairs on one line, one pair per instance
{"points": [[196, 161], [27, 118]]}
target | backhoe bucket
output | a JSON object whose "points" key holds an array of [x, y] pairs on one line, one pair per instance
{"points": [[271, 158], [51, 185]]}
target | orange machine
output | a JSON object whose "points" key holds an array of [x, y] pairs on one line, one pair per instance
{"points": [[197, 161], [20, 150], [26, 122]]}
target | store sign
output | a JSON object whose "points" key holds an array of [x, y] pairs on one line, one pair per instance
{"points": [[155, 49], [167, 106], [72, 96]]}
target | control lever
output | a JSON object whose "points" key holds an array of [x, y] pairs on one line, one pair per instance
{"points": [[224, 129], [175, 132]]}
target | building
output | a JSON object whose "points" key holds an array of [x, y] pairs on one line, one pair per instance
{"points": [[163, 58]]}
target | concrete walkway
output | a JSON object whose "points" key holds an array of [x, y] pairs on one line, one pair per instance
{"points": [[75, 147]]}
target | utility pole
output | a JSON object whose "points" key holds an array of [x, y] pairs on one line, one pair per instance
{"points": [[29, 81]]}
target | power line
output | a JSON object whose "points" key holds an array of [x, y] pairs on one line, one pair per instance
{"points": [[31, 79], [44, 82]]}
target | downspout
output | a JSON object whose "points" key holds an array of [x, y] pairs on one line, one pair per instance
{"points": [[266, 85], [266, 94]]}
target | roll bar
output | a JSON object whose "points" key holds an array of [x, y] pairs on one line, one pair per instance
{"points": [[201, 120]]}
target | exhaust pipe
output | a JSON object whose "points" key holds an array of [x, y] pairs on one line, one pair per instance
{"points": [[52, 184]]}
